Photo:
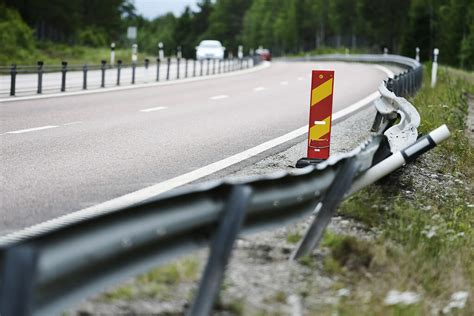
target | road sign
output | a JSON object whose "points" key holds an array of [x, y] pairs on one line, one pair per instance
{"points": [[322, 86], [132, 32]]}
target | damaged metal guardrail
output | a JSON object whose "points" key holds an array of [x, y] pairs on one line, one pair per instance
{"points": [[45, 269]]}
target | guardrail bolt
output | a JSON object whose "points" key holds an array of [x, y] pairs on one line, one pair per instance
{"points": [[13, 72], [158, 62], [119, 69], [63, 77], [40, 77], [102, 68], [84, 76]]}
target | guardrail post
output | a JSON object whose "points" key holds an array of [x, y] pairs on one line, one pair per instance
{"points": [[84, 77], [219, 66], [158, 61], [194, 67], [329, 204], [178, 61], [119, 69], [221, 249], [13, 73], [185, 68], [208, 64], [147, 63], [40, 77], [102, 68], [134, 66], [168, 69], [200, 70], [18, 275], [213, 66], [63, 76]]}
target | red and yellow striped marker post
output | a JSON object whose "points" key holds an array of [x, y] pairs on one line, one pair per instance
{"points": [[320, 114]]}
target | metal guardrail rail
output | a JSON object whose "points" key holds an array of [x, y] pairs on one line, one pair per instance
{"points": [[41, 78], [47, 268]]}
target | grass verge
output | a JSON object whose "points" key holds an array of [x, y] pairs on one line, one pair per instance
{"points": [[424, 214]]}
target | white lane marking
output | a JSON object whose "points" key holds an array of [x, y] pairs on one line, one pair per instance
{"points": [[218, 97], [284, 83], [154, 109], [73, 123], [21, 131], [175, 182], [300, 78], [319, 123], [259, 89]]}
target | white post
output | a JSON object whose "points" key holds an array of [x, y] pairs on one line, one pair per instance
{"points": [[161, 54], [134, 53], [240, 52], [112, 54], [417, 54], [385, 51], [434, 68]]}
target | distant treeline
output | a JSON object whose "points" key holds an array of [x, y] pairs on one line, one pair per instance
{"points": [[283, 26]]}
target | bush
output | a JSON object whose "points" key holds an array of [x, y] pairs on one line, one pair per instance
{"points": [[16, 38], [92, 37]]}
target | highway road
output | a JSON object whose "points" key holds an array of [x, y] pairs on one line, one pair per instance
{"points": [[60, 155]]}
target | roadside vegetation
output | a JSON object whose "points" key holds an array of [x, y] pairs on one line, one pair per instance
{"points": [[424, 216]]}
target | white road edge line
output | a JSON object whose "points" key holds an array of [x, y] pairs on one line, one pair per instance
{"points": [[262, 66], [154, 109], [73, 123], [167, 185], [218, 97], [28, 130]]}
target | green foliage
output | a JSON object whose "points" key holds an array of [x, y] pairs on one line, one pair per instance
{"points": [[16, 37], [92, 37], [293, 237]]}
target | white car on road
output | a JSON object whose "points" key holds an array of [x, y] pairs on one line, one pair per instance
{"points": [[209, 49]]}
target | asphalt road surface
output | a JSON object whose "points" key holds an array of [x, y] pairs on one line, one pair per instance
{"points": [[60, 155]]}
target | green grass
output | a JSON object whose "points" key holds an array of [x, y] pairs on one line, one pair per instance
{"points": [[426, 240]]}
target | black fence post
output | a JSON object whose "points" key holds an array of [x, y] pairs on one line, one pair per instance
{"points": [[84, 77], [200, 70], [40, 77], [185, 68], [119, 68], [102, 68], [63, 77], [178, 61], [13, 73], [134, 66], [168, 69], [158, 61]]}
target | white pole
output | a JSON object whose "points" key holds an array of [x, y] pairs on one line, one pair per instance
{"points": [[417, 54], [161, 54], [112, 54], [400, 158], [385, 51], [240, 52], [434, 68], [134, 53]]}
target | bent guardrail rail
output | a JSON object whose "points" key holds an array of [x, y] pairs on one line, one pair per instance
{"points": [[45, 269]]}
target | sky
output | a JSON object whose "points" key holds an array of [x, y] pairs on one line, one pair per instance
{"points": [[150, 9]]}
